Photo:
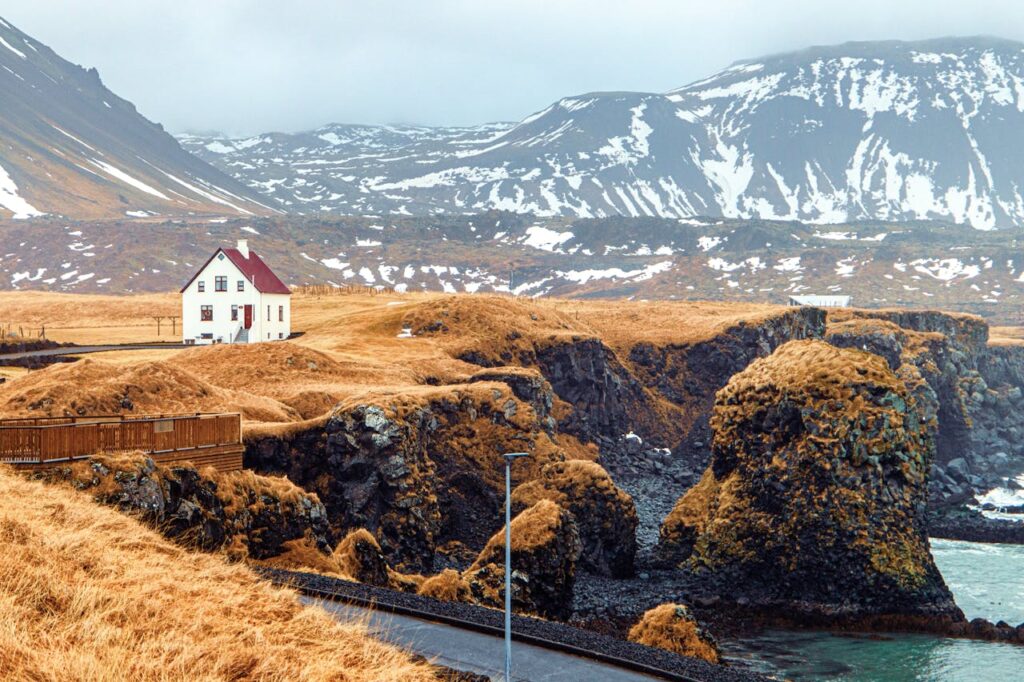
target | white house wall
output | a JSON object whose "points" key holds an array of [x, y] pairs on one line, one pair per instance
{"points": [[273, 329], [222, 329]]}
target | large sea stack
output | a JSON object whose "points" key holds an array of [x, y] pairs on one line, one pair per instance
{"points": [[814, 499]]}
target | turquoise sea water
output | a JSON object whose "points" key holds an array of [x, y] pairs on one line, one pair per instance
{"points": [[987, 581]]}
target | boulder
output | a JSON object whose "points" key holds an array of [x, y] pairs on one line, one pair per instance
{"points": [[545, 549], [816, 492], [605, 515], [359, 557], [672, 627], [958, 469]]}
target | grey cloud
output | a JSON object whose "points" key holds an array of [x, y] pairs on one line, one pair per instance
{"points": [[246, 66]]}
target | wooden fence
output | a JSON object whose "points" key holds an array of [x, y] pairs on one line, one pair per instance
{"points": [[42, 441]]}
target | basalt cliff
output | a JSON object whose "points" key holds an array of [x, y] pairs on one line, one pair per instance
{"points": [[648, 422]]}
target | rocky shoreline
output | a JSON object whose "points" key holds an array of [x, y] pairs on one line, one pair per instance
{"points": [[970, 525]]}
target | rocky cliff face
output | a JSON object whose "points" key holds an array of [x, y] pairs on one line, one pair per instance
{"points": [[977, 386], [605, 515], [816, 493], [422, 472], [247, 515]]}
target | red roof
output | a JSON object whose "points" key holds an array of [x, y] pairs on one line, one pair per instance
{"points": [[254, 270]]}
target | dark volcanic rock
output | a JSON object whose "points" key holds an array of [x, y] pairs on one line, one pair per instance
{"points": [[418, 472], [816, 492], [971, 526], [545, 549], [605, 515], [253, 515], [977, 388]]}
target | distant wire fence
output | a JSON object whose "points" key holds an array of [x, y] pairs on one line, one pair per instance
{"points": [[163, 325], [341, 290], [10, 330]]}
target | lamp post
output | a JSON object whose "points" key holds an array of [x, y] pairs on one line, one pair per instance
{"points": [[509, 456]]}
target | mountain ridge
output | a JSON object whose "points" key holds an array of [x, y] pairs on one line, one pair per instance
{"points": [[824, 134], [75, 148]]}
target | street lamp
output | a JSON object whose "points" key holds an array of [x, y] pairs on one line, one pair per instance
{"points": [[509, 456]]}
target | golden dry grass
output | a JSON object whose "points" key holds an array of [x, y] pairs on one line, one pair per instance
{"points": [[448, 585], [1006, 336], [10, 373], [90, 318], [350, 350], [531, 529], [87, 593], [671, 627]]}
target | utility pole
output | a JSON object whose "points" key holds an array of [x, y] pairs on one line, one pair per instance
{"points": [[509, 456], [158, 320]]}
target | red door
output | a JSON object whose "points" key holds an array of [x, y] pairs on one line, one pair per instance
{"points": [[248, 317]]}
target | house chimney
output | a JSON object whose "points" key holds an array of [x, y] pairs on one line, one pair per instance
{"points": [[243, 248]]}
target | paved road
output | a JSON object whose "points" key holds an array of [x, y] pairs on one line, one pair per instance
{"points": [[78, 350], [482, 653]]}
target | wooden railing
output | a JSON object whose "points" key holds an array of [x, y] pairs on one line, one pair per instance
{"points": [[42, 440]]}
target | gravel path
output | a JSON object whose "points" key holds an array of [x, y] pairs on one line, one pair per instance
{"points": [[547, 634]]}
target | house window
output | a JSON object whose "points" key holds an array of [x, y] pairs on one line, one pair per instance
{"points": [[241, 285], [280, 313], [202, 286], [234, 313], [268, 313], [220, 283], [280, 335], [206, 313]]}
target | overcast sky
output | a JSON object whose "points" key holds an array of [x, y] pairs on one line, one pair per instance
{"points": [[248, 66]]}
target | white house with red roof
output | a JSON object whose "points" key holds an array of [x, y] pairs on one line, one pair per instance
{"points": [[235, 298]]}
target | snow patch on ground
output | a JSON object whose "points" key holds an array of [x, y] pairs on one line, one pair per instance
{"points": [[545, 239], [119, 174], [14, 203]]}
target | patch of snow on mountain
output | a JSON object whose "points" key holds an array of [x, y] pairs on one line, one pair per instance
{"points": [[846, 267], [788, 264], [333, 263], [708, 243], [10, 200], [646, 273], [721, 265], [544, 238], [116, 172], [945, 269], [12, 48]]}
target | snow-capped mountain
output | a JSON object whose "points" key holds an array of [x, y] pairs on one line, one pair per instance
{"points": [[72, 147], [876, 130]]}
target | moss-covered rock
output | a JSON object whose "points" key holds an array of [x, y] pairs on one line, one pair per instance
{"points": [[816, 492], [605, 515], [418, 470], [545, 549], [672, 627], [359, 557], [246, 515]]}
